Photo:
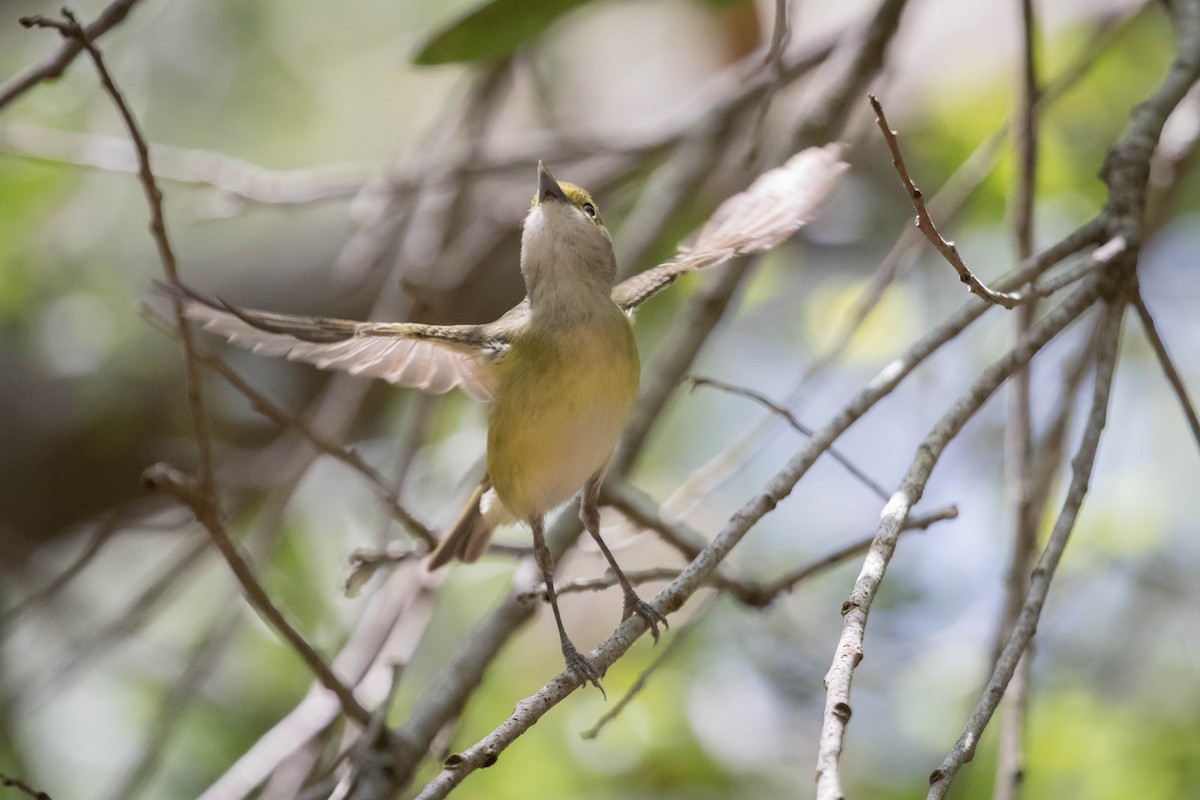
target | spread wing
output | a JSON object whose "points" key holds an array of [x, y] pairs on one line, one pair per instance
{"points": [[438, 358], [776, 205], [435, 358]]}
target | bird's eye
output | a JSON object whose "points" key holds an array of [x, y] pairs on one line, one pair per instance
{"points": [[590, 210]]}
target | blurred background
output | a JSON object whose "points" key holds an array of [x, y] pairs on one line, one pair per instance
{"points": [[367, 159]]}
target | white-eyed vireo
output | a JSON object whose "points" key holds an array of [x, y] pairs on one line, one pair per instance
{"points": [[559, 371]]}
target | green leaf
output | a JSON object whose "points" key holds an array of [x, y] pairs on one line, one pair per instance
{"points": [[492, 30]]}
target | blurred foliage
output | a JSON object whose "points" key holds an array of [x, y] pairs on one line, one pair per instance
{"points": [[493, 29], [89, 396]]}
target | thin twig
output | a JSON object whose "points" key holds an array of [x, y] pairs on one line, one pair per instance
{"points": [[22, 787], [273, 412], [1168, 366], [104, 530], [70, 29], [234, 180], [675, 644], [781, 34], [856, 61], [1010, 771], [639, 510], [387, 633], [796, 424], [163, 478], [1051, 449], [1039, 585], [765, 595], [916, 522], [53, 67], [925, 222]]}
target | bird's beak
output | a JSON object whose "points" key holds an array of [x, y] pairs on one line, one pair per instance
{"points": [[548, 188]]}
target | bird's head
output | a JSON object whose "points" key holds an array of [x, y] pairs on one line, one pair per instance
{"points": [[565, 248]]}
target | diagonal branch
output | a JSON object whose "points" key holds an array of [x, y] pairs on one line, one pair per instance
{"points": [[53, 67], [70, 29], [163, 478], [1039, 584], [273, 412], [849, 651], [22, 787], [1168, 366]]}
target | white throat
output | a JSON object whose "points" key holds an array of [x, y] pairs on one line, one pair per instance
{"points": [[568, 262]]}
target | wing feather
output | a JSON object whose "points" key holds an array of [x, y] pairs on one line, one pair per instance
{"points": [[776, 205], [433, 358]]}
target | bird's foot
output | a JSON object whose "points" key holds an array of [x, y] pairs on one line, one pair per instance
{"points": [[638, 606], [581, 667]]}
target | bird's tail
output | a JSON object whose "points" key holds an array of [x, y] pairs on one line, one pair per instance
{"points": [[471, 533]]}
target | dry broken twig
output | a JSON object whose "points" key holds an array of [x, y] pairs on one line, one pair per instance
{"points": [[925, 222]]}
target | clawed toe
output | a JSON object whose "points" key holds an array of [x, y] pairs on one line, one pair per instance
{"points": [[582, 668], [638, 606]]}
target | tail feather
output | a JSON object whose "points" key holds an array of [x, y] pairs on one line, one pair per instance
{"points": [[469, 537]]}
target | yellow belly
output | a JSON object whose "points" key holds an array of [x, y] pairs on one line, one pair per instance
{"points": [[561, 401]]}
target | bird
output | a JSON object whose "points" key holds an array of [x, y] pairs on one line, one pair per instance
{"points": [[559, 371]]}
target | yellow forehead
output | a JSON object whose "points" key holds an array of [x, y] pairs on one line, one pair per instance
{"points": [[576, 194]]}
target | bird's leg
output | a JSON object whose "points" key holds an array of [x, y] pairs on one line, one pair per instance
{"points": [[584, 671], [589, 512]]}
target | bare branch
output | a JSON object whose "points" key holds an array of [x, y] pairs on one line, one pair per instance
{"points": [[845, 75], [1168, 366], [639, 509], [1019, 434], [926, 224], [855, 610], [1127, 167], [1039, 585], [384, 636], [70, 29], [163, 478], [918, 522], [233, 178], [22, 787], [105, 528]]}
